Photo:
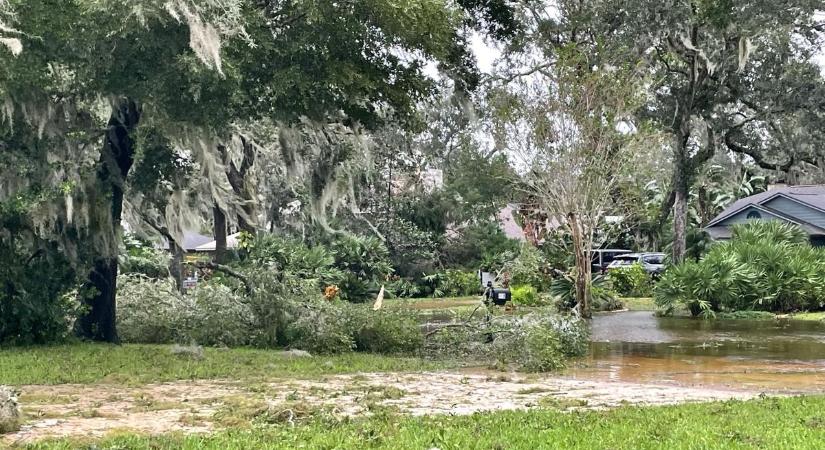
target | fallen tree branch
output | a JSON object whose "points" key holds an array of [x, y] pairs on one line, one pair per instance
{"points": [[248, 284]]}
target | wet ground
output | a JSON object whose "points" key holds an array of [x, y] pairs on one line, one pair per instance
{"points": [[635, 358], [781, 356]]}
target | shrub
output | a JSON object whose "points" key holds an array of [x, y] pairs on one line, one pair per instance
{"points": [[402, 288], [631, 281], [37, 304], [365, 264], [602, 296], [767, 266], [529, 268], [525, 296], [339, 327], [536, 342], [458, 283], [293, 259], [477, 245], [139, 257]]}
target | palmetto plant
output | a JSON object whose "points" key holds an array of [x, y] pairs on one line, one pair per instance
{"points": [[601, 291], [766, 266]]}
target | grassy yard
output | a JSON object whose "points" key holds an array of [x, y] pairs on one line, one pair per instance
{"points": [[432, 303], [639, 304], [140, 364], [812, 316], [791, 423]]}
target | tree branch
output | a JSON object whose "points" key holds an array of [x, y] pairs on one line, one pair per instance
{"points": [[248, 284]]}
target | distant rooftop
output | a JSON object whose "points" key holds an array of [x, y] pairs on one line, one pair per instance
{"points": [[812, 195]]}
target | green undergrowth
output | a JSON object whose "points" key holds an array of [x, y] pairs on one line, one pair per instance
{"points": [[141, 364], [789, 423]]}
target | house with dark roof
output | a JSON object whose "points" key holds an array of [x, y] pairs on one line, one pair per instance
{"points": [[799, 205]]}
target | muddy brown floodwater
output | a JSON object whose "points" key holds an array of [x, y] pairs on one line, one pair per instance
{"points": [[776, 356]]}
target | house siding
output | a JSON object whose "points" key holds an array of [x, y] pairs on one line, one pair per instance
{"points": [[794, 209], [742, 217]]}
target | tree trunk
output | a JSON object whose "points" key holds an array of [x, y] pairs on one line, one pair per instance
{"points": [[99, 320], [583, 280], [237, 179], [220, 234], [176, 264], [680, 212], [682, 175]]}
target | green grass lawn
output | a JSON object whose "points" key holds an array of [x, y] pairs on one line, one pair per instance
{"points": [[140, 364], [812, 316], [791, 423], [639, 304], [432, 303]]}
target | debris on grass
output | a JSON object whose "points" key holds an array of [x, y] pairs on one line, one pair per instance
{"points": [[10, 414]]}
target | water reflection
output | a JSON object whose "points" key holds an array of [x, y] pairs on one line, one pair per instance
{"points": [[771, 355]]}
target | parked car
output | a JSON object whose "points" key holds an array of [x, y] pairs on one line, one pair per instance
{"points": [[653, 263], [603, 257]]}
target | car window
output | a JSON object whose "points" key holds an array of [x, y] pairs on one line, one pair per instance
{"points": [[624, 261], [653, 259]]}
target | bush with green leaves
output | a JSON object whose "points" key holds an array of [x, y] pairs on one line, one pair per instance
{"points": [[631, 281], [766, 266], [319, 327], [138, 257], [337, 327], [530, 268], [222, 317], [364, 263], [292, 258], [459, 283], [525, 296], [37, 300], [477, 246], [398, 287]]}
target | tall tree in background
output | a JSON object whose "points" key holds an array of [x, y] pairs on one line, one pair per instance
{"points": [[727, 76], [574, 145]]}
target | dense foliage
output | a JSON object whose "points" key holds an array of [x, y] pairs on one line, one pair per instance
{"points": [[37, 304], [631, 281], [766, 266]]}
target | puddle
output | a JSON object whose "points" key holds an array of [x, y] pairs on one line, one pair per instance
{"points": [[777, 356]]}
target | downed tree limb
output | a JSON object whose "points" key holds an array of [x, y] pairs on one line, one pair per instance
{"points": [[465, 325], [248, 284]]}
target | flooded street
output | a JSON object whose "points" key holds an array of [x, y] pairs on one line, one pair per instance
{"points": [[781, 356]]}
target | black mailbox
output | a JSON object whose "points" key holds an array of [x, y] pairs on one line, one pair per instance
{"points": [[500, 296]]}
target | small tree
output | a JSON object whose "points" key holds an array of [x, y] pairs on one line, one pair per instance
{"points": [[575, 143]]}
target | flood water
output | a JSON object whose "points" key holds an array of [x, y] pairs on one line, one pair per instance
{"points": [[773, 355]]}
